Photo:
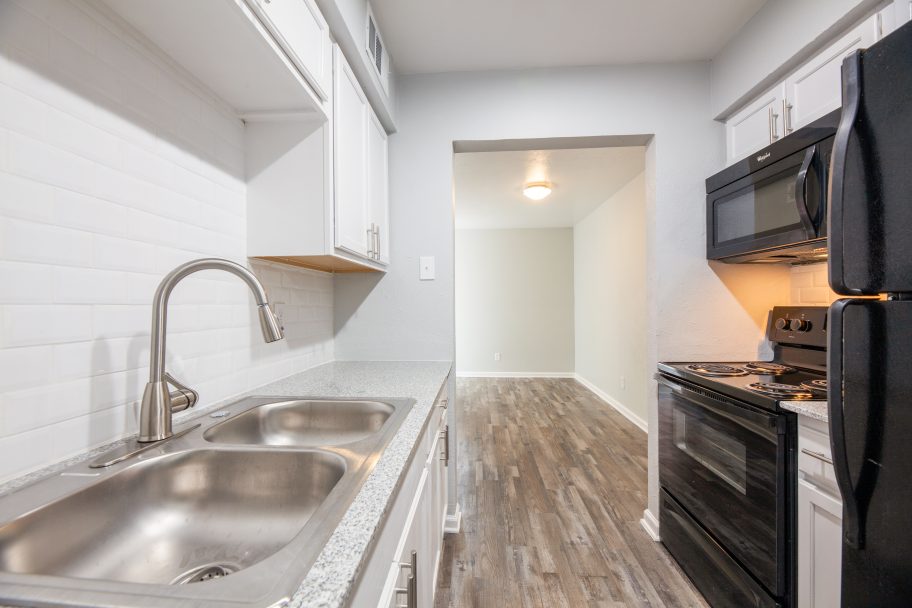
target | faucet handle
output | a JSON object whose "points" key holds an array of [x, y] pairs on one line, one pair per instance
{"points": [[184, 397]]}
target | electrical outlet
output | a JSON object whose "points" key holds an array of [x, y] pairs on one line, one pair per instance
{"points": [[623, 382], [497, 356]]}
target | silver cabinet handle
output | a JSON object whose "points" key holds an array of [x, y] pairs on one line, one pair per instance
{"points": [[411, 586], [818, 455], [443, 403], [370, 241], [377, 241], [773, 117], [787, 116], [445, 435]]}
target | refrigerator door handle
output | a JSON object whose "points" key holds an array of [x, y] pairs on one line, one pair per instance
{"points": [[801, 194], [851, 103], [852, 526]]}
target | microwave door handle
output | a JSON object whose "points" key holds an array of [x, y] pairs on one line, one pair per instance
{"points": [[801, 192]]}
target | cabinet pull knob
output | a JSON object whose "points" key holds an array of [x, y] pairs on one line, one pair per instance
{"points": [[818, 455], [370, 241], [445, 435]]}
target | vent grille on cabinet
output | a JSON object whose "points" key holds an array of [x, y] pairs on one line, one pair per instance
{"points": [[374, 45]]}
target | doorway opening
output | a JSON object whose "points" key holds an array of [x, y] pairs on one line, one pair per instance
{"points": [[554, 286]]}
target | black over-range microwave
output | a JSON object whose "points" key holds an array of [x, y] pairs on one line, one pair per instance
{"points": [[771, 207]]}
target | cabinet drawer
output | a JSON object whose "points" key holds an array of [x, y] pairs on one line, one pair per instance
{"points": [[815, 456]]}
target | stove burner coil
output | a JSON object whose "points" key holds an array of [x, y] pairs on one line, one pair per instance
{"points": [[766, 367], [816, 386], [777, 389], [716, 369]]}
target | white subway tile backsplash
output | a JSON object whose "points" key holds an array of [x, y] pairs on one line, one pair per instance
{"points": [[123, 254], [24, 325], [24, 367], [89, 286], [810, 286], [32, 242], [41, 162], [114, 170], [25, 283], [75, 210], [24, 198]]}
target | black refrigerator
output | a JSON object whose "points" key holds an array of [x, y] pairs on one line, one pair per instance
{"points": [[870, 339]]}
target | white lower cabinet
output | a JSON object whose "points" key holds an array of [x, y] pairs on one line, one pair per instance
{"points": [[405, 561], [819, 520]]}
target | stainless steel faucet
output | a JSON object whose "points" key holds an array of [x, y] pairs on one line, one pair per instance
{"points": [[158, 400]]}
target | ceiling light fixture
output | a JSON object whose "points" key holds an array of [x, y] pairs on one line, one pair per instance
{"points": [[537, 190]]}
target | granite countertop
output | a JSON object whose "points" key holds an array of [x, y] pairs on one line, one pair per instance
{"points": [[329, 581], [812, 409]]}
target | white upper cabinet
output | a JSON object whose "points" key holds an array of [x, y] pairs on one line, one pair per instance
{"points": [[350, 121], [756, 126], [317, 193], [816, 87], [378, 189], [302, 31], [808, 93]]}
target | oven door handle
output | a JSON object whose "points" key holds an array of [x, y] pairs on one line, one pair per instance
{"points": [[801, 193], [767, 425]]}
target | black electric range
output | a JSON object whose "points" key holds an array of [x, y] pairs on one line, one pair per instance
{"points": [[727, 463]]}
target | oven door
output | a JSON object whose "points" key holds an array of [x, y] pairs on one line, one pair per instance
{"points": [[779, 205], [726, 464]]}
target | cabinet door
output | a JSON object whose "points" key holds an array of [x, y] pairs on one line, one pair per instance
{"points": [[377, 187], [299, 26], [816, 87], [819, 547], [350, 115], [756, 126], [434, 517]]}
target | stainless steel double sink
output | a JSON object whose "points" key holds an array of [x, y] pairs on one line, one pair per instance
{"points": [[233, 512]]}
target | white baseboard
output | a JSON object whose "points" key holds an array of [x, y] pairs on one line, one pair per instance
{"points": [[620, 407], [515, 374], [651, 524], [453, 522]]}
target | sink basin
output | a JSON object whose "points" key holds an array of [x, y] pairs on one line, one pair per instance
{"points": [[178, 518], [303, 423], [199, 519]]}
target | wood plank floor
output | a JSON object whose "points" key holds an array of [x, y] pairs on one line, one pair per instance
{"points": [[552, 485]]}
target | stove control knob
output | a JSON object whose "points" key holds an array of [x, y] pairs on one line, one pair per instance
{"points": [[782, 324], [799, 325]]}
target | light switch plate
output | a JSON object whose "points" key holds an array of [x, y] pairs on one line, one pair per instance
{"points": [[426, 270]]}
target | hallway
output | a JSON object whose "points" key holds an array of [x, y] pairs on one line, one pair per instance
{"points": [[552, 484]]}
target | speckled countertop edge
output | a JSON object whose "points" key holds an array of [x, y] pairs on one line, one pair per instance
{"points": [[812, 409], [329, 581]]}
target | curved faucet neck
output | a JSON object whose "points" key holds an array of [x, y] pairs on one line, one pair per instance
{"points": [[163, 293]]}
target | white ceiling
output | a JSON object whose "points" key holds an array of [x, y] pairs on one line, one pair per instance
{"points": [[489, 185], [464, 35]]}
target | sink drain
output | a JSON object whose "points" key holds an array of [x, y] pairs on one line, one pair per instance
{"points": [[205, 573]]}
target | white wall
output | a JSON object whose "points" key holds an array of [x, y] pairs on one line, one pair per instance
{"points": [[113, 170], [694, 307], [514, 295], [775, 40], [610, 307]]}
